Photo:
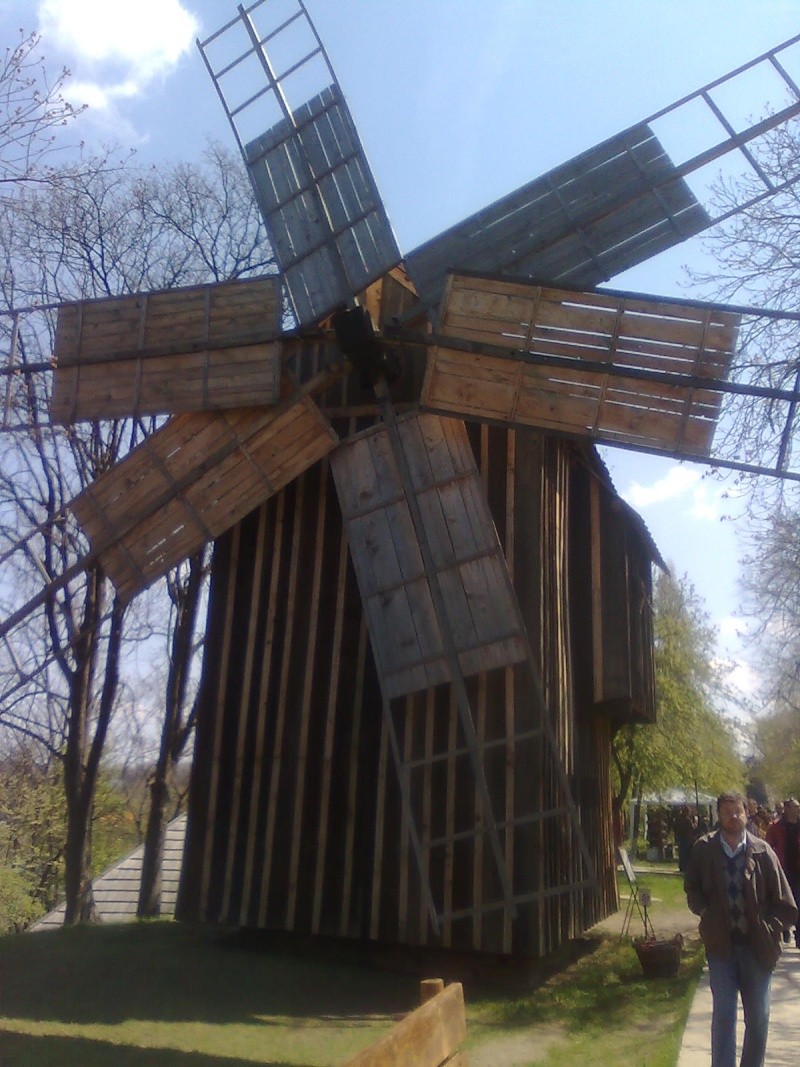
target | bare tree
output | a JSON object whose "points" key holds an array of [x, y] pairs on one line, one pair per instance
{"points": [[757, 262], [756, 255], [104, 228], [32, 112]]}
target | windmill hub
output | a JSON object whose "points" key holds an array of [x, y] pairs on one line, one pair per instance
{"points": [[359, 342]]}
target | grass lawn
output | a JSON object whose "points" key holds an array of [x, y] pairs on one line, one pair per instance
{"points": [[165, 994]]}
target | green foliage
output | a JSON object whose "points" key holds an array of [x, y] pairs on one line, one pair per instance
{"points": [[114, 831], [33, 824], [690, 742], [33, 832], [18, 908], [778, 737]]}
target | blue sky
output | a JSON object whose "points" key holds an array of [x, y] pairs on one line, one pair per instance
{"points": [[457, 102]]}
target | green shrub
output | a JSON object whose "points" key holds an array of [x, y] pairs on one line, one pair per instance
{"points": [[18, 908]]}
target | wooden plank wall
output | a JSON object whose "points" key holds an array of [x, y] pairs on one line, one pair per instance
{"points": [[295, 817], [119, 356]]}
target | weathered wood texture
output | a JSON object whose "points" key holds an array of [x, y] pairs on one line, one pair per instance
{"points": [[202, 348], [192, 480], [296, 821], [479, 601], [646, 337], [326, 221], [614, 206], [427, 1037]]}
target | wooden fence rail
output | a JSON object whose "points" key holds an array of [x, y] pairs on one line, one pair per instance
{"points": [[427, 1037]]}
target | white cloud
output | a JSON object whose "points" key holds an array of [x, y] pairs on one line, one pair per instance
{"points": [[116, 48], [703, 499], [734, 626], [675, 483]]}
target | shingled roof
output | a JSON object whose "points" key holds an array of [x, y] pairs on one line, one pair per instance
{"points": [[116, 893]]}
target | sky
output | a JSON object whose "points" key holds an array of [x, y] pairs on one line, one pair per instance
{"points": [[457, 103]]}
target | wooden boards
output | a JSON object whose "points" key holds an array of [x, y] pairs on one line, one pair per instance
{"points": [[675, 354], [607, 209], [192, 480], [427, 1037], [480, 604], [195, 349], [328, 226]]}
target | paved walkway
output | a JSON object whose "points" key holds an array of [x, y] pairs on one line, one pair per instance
{"points": [[783, 1049]]}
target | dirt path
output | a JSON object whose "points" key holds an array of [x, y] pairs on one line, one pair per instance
{"points": [[667, 920]]}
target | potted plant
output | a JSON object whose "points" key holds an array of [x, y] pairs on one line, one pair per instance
{"points": [[659, 957]]}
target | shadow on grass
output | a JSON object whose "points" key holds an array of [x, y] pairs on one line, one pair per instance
{"points": [[22, 1050], [607, 984], [171, 972]]}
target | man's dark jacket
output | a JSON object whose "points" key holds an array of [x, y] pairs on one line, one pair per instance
{"points": [[769, 904]]}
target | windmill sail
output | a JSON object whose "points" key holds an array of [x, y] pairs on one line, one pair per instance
{"points": [[616, 205], [618, 369], [608, 209], [480, 605], [202, 348], [191, 481], [328, 227]]}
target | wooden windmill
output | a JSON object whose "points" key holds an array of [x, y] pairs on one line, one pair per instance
{"points": [[499, 324]]}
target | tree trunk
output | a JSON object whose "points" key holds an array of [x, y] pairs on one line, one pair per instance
{"points": [[77, 863], [150, 888], [83, 752], [173, 736]]}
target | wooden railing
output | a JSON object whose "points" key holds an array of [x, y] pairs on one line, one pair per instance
{"points": [[427, 1037]]}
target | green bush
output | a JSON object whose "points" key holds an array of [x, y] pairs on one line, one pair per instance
{"points": [[18, 908]]}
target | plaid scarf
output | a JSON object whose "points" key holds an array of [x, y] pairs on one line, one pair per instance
{"points": [[734, 884]]}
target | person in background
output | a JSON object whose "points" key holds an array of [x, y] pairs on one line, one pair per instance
{"points": [[784, 837], [684, 827], [756, 815], [736, 885]]}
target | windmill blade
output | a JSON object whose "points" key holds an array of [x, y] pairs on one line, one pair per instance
{"points": [[201, 348], [611, 207], [327, 224], [480, 604], [547, 358], [193, 479]]}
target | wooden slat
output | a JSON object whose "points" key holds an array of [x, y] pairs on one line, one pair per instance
{"points": [[594, 215], [594, 328], [216, 754], [330, 728], [479, 600], [405, 844], [427, 809], [179, 350], [242, 718], [425, 1038], [193, 479], [301, 763], [380, 825], [353, 782], [450, 818], [202, 381], [510, 689], [261, 713], [282, 709]]}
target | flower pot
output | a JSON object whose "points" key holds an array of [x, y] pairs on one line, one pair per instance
{"points": [[659, 959]]}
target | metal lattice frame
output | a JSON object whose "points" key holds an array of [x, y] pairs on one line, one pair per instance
{"points": [[570, 227], [328, 227]]}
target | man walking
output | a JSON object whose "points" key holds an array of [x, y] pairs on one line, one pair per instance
{"points": [[736, 885]]}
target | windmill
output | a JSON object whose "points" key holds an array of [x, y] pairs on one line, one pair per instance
{"points": [[504, 315]]}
